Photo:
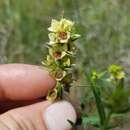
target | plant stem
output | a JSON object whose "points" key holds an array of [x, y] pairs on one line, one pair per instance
{"points": [[100, 107], [106, 122]]}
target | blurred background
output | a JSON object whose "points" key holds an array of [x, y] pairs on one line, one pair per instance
{"points": [[104, 26]]}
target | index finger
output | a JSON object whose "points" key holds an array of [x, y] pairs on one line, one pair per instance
{"points": [[24, 82]]}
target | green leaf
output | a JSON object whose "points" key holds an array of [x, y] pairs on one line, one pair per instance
{"points": [[99, 103], [97, 96], [74, 36], [94, 120]]}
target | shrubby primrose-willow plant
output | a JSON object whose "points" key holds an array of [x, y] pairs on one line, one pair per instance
{"points": [[61, 58], [111, 96]]}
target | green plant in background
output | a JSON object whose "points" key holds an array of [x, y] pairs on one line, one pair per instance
{"points": [[61, 57], [111, 97]]}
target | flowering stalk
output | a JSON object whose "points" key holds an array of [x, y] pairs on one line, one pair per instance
{"points": [[110, 93], [61, 57]]}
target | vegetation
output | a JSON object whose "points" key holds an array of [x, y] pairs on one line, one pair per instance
{"points": [[105, 36]]}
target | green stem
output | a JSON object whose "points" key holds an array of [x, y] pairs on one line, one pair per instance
{"points": [[100, 107], [106, 122], [60, 91]]}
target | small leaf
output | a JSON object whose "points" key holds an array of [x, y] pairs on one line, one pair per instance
{"points": [[94, 120], [74, 36]]}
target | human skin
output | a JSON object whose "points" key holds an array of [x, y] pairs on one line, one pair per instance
{"points": [[22, 103]]}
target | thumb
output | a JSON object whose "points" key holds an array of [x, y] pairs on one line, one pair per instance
{"points": [[40, 116]]}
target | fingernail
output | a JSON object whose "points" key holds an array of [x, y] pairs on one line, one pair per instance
{"points": [[56, 116]]}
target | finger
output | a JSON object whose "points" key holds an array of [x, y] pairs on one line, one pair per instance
{"points": [[41, 116], [24, 82], [8, 105]]}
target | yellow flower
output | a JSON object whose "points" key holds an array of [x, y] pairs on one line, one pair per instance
{"points": [[63, 37], [95, 75], [66, 61], [53, 38], [63, 25], [52, 95], [56, 54], [59, 74], [49, 60], [66, 25], [54, 26], [121, 75], [116, 72]]}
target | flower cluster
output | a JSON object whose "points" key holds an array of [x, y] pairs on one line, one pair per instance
{"points": [[111, 85], [116, 72], [61, 57], [110, 93]]}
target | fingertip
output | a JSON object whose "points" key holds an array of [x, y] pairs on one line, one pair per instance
{"points": [[24, 82], [58, 115]]}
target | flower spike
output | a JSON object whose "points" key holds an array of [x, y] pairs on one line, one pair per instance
{"points": [[61, 57]]}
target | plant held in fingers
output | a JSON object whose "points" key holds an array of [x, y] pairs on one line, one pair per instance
{"points": [[61, 58]]}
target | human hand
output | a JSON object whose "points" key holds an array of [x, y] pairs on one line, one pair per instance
{"points": [[21, 89]]}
